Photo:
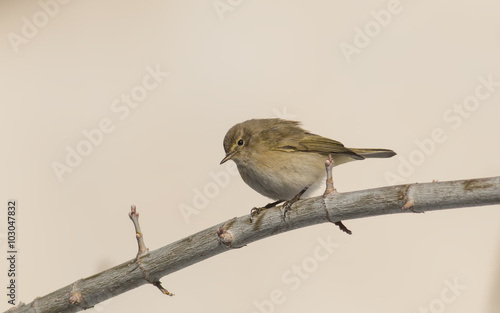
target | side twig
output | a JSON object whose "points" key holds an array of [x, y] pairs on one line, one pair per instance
{"points": [[330, 190], [142, 250], [134, 216]]}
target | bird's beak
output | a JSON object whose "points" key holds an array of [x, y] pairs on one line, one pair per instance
{"points": [[228, 156]]}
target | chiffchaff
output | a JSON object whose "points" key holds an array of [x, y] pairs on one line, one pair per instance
{"points": [[280, 160]]}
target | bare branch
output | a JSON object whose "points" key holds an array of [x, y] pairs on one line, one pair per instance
{"points": [[330, 190], [329, 177], [239, 232], [134, 216], [142, 250]]}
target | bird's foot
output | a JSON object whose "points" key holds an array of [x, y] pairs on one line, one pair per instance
{"points": [[256, 211], [287, 206]]}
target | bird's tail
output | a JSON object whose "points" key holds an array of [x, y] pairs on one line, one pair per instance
{"points": [[374, 153]]}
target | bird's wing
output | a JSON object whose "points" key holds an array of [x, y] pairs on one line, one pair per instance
{"points": [[307, 142]]}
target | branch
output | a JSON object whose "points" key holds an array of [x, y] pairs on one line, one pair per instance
{"points": [[134, 216], [238, 232], [141, 250]]}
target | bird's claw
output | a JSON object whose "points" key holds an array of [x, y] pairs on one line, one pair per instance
{"points": [[287, 207], [254, 212]]}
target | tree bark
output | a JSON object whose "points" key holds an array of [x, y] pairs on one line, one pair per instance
{"points": [[150, 266]]}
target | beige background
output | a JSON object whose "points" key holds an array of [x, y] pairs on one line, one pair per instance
{"points": [[263, 59]]}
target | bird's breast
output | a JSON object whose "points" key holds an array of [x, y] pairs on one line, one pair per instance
{"points": [[281, 175]]}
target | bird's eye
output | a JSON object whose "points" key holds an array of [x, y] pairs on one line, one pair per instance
{"points": [[240, 142]]}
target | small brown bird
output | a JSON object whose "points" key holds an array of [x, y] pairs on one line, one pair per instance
{"points": [[280, 160]]}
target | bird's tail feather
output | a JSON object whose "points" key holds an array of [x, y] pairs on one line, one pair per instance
{"points": [[374, 153]]}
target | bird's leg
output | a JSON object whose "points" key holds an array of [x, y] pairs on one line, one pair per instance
{"points": [[273, 204], [287, 206], [255, 211]]}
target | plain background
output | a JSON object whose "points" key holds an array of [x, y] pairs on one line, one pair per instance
{"points": [[261, 59]]}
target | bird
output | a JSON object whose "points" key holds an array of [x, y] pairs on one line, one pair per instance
{"points": [[282, 161]]}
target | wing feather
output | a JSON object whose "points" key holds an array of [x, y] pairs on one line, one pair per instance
{"points": [[315, 143], [288, 136]]}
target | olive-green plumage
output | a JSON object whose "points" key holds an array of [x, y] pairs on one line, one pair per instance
{"points": [[278, 158]]}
